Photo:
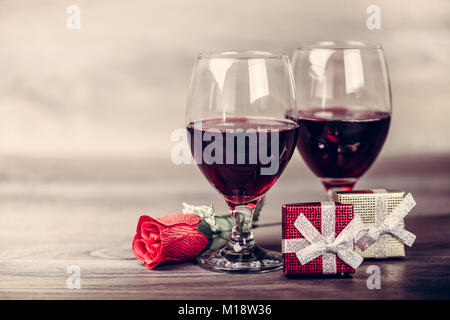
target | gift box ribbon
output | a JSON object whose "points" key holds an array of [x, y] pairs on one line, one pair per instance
{"points": [[391, 224], [325, 244]]}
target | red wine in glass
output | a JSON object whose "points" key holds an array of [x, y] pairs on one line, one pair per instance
{"points": [[339, 144], [248, 155]]}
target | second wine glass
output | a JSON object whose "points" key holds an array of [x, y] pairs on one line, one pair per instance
{"points": [[344, 109]]}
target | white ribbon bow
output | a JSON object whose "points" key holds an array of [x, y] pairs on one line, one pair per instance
{"points": [[391, 225], [342, 246]]}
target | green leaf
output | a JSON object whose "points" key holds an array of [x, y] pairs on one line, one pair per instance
{"points": [[220, 240], [204, 228], [223, 234], [224, 222]]}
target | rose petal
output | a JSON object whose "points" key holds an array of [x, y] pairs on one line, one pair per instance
{"points": [[151, 265], [142, 219], [150, 233], [139, 249], [149, 228], [153, 254], [153, 250], [154, 236]]}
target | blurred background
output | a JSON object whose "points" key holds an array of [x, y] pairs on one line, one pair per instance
{"points": [[86, 115], [118, 86]]}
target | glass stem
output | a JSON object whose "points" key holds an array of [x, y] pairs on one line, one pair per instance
{"points": [[242, 234]]}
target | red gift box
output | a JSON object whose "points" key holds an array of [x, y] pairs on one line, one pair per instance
{"points": [[329, 219]]}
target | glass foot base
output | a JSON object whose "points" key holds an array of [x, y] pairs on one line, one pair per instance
{"points": [[343, 184], [249, 260], [332, 184]]}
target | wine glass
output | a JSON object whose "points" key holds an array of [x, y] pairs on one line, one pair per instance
{"points": [[241, 141], [344, 109]]}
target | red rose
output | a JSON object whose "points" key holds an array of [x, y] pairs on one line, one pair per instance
{"points": [[170, 238]]}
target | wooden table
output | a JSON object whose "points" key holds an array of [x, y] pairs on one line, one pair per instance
{"points": [[58, 213]]}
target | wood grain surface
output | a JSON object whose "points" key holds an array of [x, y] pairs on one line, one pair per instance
{"points": [[57, 213]]}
